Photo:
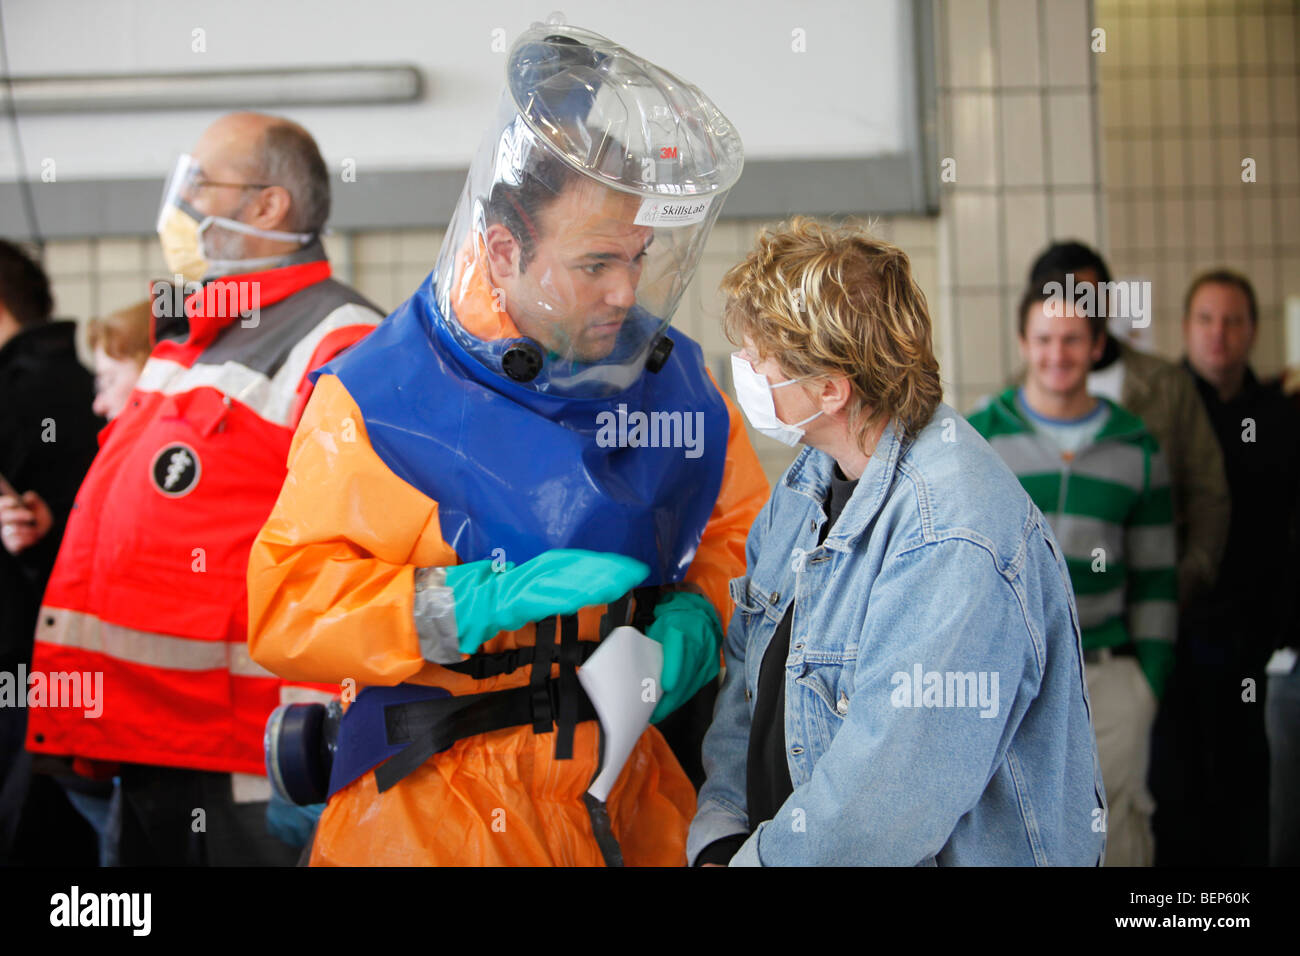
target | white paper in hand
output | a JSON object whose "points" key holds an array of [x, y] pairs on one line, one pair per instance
{"points": [[615, 678]]}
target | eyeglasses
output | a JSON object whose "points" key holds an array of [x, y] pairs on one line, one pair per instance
{"points": [[205, 183], [194, 180]]}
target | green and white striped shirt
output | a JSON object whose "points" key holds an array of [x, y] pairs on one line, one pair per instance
{"points": [[1110, 508]]}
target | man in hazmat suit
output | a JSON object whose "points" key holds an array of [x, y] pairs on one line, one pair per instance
{"points": [[523, 457]]}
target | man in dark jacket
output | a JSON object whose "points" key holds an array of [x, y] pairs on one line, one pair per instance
{"points": [[47, 441], [1220, 755]]}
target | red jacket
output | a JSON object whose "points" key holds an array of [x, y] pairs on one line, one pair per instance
{"points": [[149, 585]]}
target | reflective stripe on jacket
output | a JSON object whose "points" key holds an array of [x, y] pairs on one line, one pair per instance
{"points": [[149, 586]]}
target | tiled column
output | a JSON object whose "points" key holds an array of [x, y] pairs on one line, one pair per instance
{"points": [[1190, 89], [1017, 119]]}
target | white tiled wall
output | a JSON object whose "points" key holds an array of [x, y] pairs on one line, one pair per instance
{"points": [[1188, 90], [1016, 95]]}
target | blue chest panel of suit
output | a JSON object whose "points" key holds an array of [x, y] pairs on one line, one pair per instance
{"points": [[524, 472]]}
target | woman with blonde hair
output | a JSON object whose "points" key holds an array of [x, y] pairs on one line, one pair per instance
{"points": [[904, 682], [121, 344]]}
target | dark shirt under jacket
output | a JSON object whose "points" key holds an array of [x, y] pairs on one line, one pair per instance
{"points": [[767, 775], [1255, 592], [1209, 749]]}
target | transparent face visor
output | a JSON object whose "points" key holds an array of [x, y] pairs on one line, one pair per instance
{"points": [[184, 231], [178, 192], [578, 231]]}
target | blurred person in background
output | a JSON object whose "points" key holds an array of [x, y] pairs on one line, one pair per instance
{"points": [[47, 441], [120, 343], [1243, 633], [1098, 476], [148, 589], [1162, 395]]}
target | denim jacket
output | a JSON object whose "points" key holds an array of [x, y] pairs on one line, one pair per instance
{"points": [[936, 711]]}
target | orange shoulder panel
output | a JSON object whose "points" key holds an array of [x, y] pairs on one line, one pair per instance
{"points": [[331, 574], [721, 555]]}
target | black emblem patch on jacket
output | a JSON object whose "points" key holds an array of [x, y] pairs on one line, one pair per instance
{"points": [[175, 470]]}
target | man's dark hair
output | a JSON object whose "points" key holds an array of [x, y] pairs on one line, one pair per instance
{"points": [[1066, 257], [289, 157], [1223, 277], [24, 287], [519, 208], [1037, 293]]}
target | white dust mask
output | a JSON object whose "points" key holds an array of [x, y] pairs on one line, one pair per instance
{"points": [[217, 267], [754, 393]]}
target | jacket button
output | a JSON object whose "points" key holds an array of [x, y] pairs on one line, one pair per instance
{"points": [[799, 646], [39, 738], [812, 525], [796, 751], [842, 705], [776, 596], [49, 621]]}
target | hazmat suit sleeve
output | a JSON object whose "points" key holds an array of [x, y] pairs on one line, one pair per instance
{"points": [[721, 555], [331, 574]]}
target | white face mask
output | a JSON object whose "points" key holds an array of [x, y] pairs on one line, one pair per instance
{"points": [[217, 267], [754, 393]]}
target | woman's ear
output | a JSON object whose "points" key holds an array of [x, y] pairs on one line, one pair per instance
{"points": [[835, 394]]}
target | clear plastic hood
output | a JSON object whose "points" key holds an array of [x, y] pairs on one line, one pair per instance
{"points": [[584, 216]]}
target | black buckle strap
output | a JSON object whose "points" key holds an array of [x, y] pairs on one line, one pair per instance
{"points": [[430, 726], [483, 666], [543, 651], [646, 598], [602, 828], [615, 615], [568, 709], [434, 725]]}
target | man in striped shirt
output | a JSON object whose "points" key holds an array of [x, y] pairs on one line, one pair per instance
{"points": [[1098, 476]]}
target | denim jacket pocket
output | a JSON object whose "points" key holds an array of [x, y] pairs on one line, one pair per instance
{"points": [[830, 683]]}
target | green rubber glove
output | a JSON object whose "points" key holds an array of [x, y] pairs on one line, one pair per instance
{"points": [[688, 628], [559, 581]]}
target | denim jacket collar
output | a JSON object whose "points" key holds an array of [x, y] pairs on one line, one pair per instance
{"points": [[810, 475]]}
